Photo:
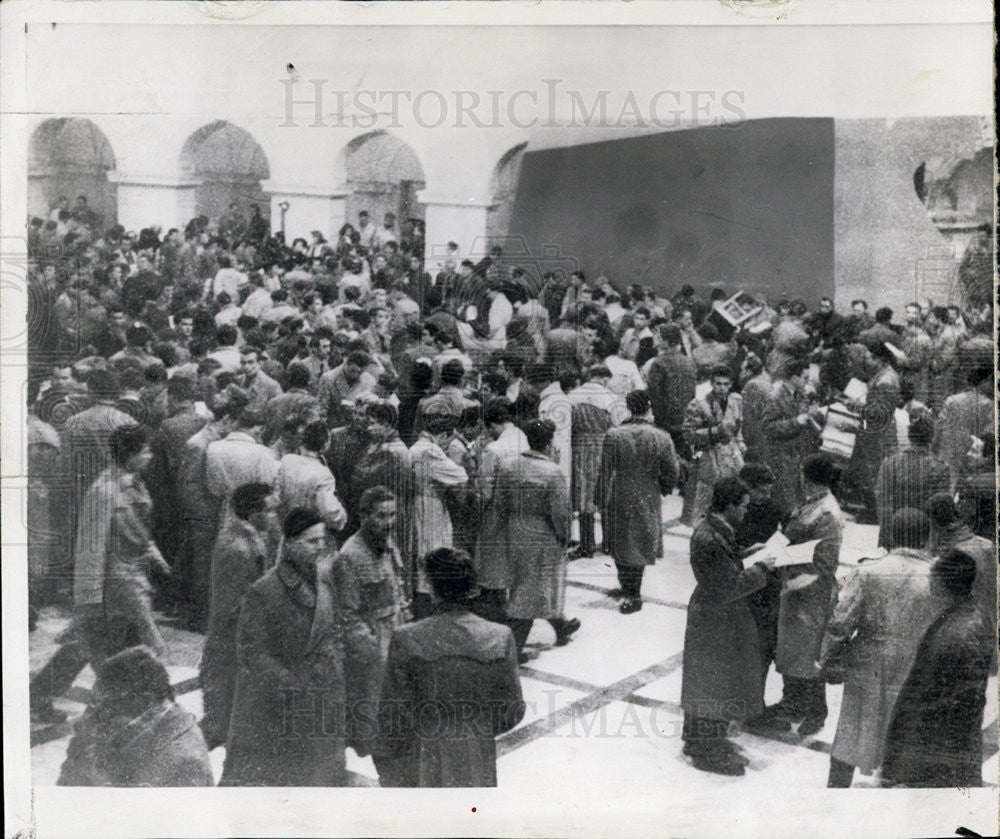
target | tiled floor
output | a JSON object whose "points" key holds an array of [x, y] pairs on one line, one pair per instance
{"points": [[609, 698]]}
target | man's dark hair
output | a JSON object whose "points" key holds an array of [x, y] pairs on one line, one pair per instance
{"points": [[315, 436], [298, 376], [451, 573], [727, 493], [921, 431], [498, 411], [452, 372], [127, 441], [226, 335], [249, 499], [359, 358], [540, 433], [756, 475], [956, 571], [909, 528]]}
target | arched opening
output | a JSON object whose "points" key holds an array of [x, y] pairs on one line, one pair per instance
{"points": [[71, 157], [230, 165], [503, 189], [384, 175]]}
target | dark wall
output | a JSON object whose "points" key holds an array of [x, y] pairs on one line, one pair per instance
{"points": [[746, 207]]}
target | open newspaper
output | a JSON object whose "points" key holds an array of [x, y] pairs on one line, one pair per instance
{"points": [[784, 553]]}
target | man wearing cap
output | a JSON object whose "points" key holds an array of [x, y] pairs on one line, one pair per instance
{"points": [[638, 465], [287, 726]]}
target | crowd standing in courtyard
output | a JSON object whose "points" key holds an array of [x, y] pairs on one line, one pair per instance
{"points": [[359, 472]]}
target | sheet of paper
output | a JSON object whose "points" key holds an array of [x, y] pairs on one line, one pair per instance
{"points": [[856, 389], [800, 554]]}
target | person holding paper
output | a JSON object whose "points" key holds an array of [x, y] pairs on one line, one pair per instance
{"points": [[790, 431], [878, 438], [764, 517], [712, 426], [721, 671], [808, 597]]}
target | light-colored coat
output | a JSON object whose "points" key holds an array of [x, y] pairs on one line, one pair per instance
{"points": [[804, 612], [882, 614], [433, 470], [532, 499], [305, 481], [716, 460]]}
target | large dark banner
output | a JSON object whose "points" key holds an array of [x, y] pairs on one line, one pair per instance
{"points": [[748, 206]]}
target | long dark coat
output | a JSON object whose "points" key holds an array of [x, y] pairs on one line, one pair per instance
{"points": [[935, 738], [287, 724], [239, 558], [722, 677], [164, 479], [638, 465], [162, 747], [532, 499], [907, 479], [460, 673]]}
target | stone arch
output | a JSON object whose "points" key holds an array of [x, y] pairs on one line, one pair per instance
{"points": [[228, 165], [71, 156], [382, 174], [503, 189]]}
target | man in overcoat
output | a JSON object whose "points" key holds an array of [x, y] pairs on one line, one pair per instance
{"points": [[722, 679], [287, 725], [239, 559], [531, 494], [872, 638], [713, 427], [638, 466], [909, 478], [462, 671], [790, 431], [808, 596]]}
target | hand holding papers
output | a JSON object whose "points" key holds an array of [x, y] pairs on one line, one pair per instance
{"points": [[783, 553]]}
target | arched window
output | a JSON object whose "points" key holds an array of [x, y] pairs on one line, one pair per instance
{"points": [[71, 157]]}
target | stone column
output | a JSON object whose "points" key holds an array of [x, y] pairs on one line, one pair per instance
{"points": [[145, 200], [458, 220], [309, 208]]}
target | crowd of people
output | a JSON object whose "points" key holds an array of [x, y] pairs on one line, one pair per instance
{"points": [[362, 477]]}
